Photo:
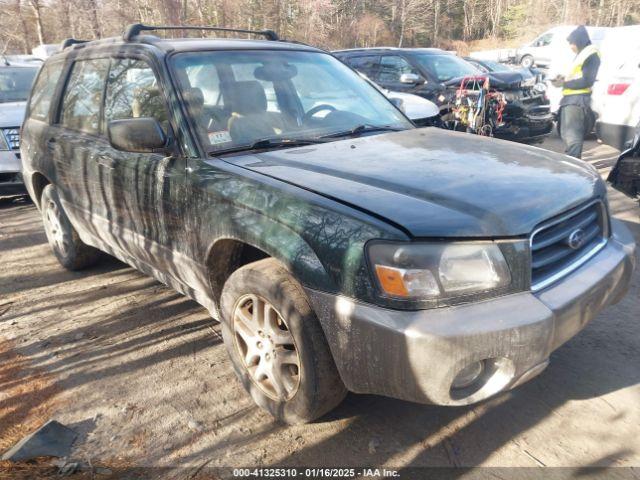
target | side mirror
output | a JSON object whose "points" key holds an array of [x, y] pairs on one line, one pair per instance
{"points": [[139, 135], [411, 78], [397, 102]]}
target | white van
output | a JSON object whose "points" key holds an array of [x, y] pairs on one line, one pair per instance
{"points": [[551, 49]]}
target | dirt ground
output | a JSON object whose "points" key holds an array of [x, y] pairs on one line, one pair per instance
{"points": [[141, 373]]}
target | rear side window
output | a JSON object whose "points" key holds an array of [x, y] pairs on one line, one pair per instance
{"points": [[83, 96], [43, 91], [133, 92], [367, 65], [244, 72], [206, 78]]}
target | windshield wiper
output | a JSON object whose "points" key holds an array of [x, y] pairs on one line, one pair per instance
{"points": [[363, 128], [268, 143]]}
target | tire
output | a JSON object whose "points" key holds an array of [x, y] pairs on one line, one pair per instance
{"points": [[526, 61], [317, 387], [63, 239]]}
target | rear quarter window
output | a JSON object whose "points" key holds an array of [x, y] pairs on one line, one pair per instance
{"points": [[43, 91]]}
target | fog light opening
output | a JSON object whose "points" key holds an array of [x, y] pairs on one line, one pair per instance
{"points": [[468, 375], [481, 379]]}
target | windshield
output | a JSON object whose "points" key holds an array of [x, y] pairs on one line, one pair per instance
{"points": [[238, 98], [15, 83], [496, 66], [444, 67]]}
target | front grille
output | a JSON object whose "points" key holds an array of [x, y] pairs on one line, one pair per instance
{"points": [[563, 244], [13, 137], [10, 177]]}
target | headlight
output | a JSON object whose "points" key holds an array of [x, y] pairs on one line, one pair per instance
{"points": [[540, 87], [511, 97], [3, 142], [423, 271], [529, 82]]}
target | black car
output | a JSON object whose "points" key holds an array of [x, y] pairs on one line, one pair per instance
{"points": [[340, 247], [514, 108], [625, 175], [527, 76]]}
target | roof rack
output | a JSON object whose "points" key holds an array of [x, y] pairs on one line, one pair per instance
{"points": [[136, 28], [71, 41]]}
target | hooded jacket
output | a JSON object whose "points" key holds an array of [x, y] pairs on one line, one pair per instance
{"points": [[580, 38]]}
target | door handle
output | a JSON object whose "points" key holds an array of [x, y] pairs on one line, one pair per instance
{"points": [[105, 161]]}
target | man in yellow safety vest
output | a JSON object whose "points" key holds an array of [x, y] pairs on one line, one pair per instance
{"points": [[576, 116]]}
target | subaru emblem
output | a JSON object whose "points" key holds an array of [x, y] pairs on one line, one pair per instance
{"points": [[576, 239]]}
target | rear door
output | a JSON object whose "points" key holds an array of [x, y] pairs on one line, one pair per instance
{"points": [[35, 131], [76, 144]]}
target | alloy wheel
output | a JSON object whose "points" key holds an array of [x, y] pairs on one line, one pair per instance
{"points": [[267, 347], [53, 227]]}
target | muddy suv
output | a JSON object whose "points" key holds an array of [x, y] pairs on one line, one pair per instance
{"points": [[340, 247]]}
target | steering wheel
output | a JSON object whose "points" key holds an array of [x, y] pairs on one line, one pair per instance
{"points": [[316, 109]]}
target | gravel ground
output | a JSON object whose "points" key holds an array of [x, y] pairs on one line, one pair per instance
{"points": [[141, 373]]}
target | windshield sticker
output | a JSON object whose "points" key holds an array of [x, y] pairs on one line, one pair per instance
{"points": [[216, 138]]}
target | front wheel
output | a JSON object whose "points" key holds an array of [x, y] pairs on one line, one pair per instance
{"points": [[526, 61], [71, 252], [276, 344]]}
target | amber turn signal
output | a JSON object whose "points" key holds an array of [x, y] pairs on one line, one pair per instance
{"points": [[391, 281]]}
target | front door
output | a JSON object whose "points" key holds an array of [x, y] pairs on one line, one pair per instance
{"points": [[391, 69], [146, 193]]}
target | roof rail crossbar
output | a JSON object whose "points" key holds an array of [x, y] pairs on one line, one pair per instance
{"points": [[71, 41], [136, 28]]}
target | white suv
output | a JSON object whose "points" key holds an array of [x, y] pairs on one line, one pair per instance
{"points": [[619, 106]]}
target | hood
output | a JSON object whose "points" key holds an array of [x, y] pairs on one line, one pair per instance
{"points": [[579, 37], [414, 106], [437, 183], [12, 114], [498, 80]]}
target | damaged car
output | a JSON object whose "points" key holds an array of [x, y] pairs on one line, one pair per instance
{"points": [[341, 248], [15, 85], [528, 76], [501, 104]]}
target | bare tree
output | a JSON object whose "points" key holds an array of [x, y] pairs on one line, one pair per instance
{"points": [[37, 6], [327, 23]]}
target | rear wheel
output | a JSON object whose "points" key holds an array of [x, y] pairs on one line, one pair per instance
{"points": [[63, 239], [276, 344]]}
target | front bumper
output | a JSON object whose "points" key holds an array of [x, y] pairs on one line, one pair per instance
{"points": [[530, 126], [11, 182], [415, 355], [614, 135]]}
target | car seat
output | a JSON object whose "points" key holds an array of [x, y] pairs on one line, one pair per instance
{"points": [[250, 120]]}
